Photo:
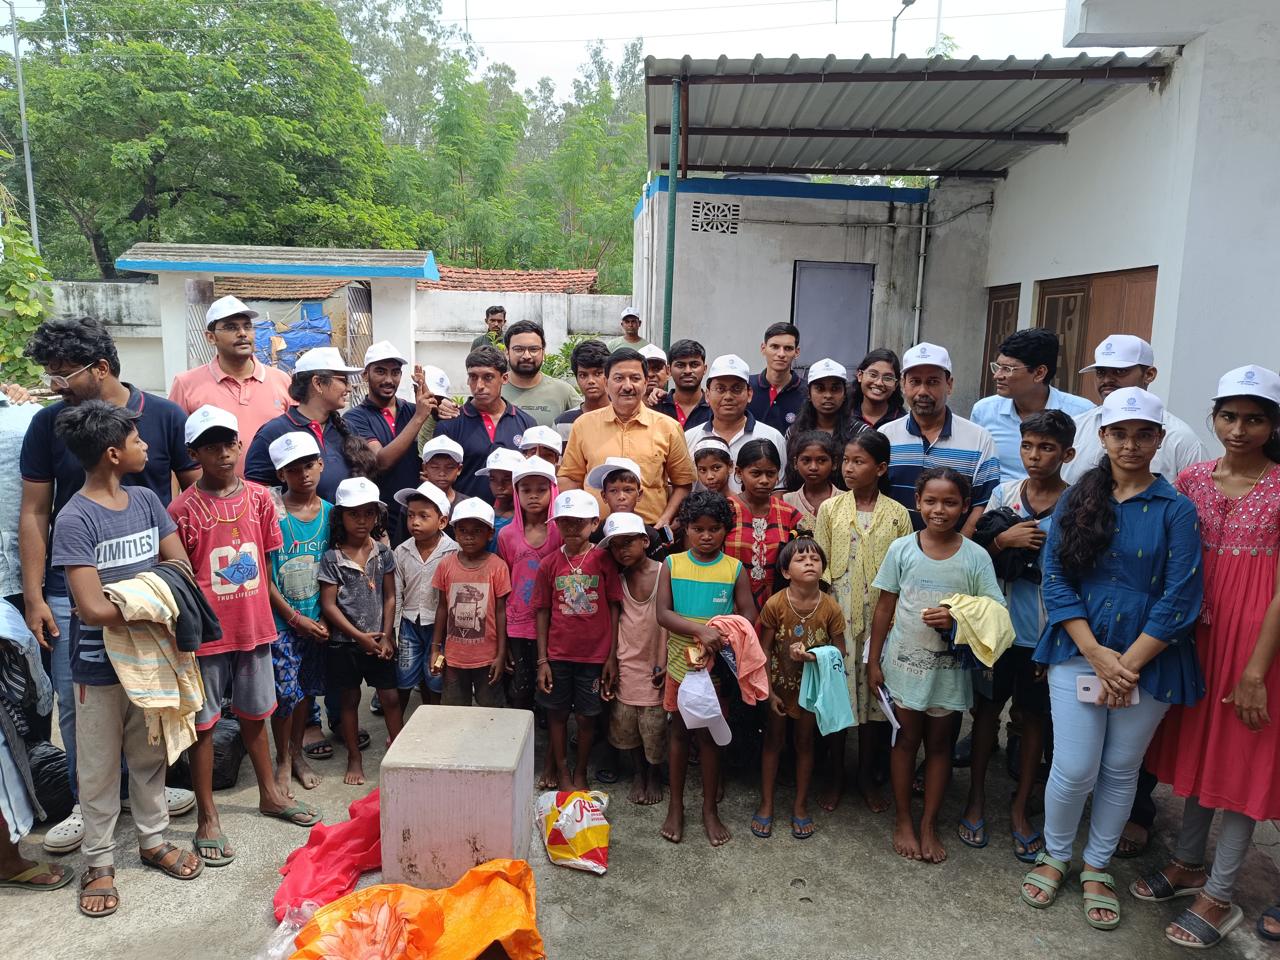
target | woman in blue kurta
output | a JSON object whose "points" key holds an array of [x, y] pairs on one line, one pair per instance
{"points": [[1122, 588]]}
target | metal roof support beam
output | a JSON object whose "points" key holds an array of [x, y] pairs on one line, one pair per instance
{"points": [[869, 133], [1109, 74], [847, 172], [668, 285]]}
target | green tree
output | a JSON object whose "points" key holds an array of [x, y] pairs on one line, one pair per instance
{"points": [[23, 294]]}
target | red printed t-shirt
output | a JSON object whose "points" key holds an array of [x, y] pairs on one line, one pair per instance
{"points": [[471, 631], [229, 540], [578, 596]]}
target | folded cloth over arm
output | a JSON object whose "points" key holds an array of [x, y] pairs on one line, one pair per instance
{"points": [[982, 625], [753, 667], [196, 620]]}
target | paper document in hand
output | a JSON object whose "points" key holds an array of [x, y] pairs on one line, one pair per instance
{"points": [[886, 705]]}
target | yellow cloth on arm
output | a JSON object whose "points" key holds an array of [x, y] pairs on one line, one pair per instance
{"points": [[155, 675], [982, 624]]}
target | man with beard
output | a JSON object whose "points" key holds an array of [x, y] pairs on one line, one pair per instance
{"points": [[687, 361], [234, 380], [627, 428], [543, 398], [80, 363], [930, 435], [729, 394]]}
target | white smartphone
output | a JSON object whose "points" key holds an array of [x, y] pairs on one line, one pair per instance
{"points": [[1089, 688]]}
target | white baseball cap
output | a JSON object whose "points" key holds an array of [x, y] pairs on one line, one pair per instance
{"points": [[729, 365], [225, 307], [600, 473], [323, 358], [356, 492], [437, 381], [630, 312], [622, 525], [826, 367], [442, 445], [576, 503], [653, 352], [1250, 380], [926, 355], [1131, 403], [700, 707], [384, 350], [1122, 350], [472, 508], [425, 489], [292, 447], [542, 436], [209, 417], [533, 467], [501, 458]]}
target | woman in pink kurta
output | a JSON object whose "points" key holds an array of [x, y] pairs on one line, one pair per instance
{"points": [[1222, 754]]}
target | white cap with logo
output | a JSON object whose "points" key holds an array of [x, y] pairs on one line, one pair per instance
{"points": [[541, 435], [501, 458], [533, 467], [323, 358], [926, 355], [826, 367], [576, 503], [1122, 350], [384, 350], [292, 447], [437, 381], [600, 472], [425, 489], [209, 417], [356, 492], [700, 707], [653, 352], [226, 307], [729, 365], [622, 525], [472, 508], [630, 312], [1250, 380], [446, 446], [1131, 403]]}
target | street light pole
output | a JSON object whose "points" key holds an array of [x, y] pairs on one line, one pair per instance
{"points": [[893, 35], [26, 137]]}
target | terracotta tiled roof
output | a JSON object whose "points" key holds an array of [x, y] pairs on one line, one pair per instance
{"points": [[276, 288], [512, 281]]}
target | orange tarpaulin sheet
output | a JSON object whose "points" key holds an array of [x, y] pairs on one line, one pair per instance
{"points": [[494, 902]]}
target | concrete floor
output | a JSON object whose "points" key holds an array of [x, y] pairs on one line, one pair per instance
{"points": [[842, 894]]}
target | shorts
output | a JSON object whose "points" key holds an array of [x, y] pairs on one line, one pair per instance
{"points": [[935, 712], [286, 662], [522, 682], [413, 659], [575, 687], [247, 675], [631, 727], [464, 686], [1014, 675], [346, 666]]}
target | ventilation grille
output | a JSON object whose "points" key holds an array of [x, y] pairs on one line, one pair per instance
{"points": [[714, 216]]}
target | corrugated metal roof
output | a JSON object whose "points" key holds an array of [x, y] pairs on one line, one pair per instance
{"points": [[965, 97], [277, 261]]}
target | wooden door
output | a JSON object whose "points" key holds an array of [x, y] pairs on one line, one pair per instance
{"points": [[1063, 308], [1120, 302], [1002, 320]]}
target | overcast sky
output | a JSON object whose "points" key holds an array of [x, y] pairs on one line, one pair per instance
{"points": [[549, 39]]}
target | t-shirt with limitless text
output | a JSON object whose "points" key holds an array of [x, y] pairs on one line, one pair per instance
{"points": [[472, 593], [121, 544], [578, 595], [229, 541]]}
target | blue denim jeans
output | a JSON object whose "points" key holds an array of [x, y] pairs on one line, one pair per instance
{"points": [[63, 688], [1095, 750]]}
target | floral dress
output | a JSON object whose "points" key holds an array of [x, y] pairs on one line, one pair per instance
{"points": [[757, 540]]}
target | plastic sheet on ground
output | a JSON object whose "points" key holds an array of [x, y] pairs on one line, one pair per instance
{"points": [[331, 861]]}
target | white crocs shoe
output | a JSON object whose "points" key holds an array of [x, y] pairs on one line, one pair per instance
{"points": [[178, 801], [67, 835]]}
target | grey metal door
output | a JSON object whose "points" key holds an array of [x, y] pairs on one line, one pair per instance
{"points": [[831, 304]]}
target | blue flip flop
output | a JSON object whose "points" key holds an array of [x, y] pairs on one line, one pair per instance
{"points": [[798, 824], [762, 827], [1274, 914], [976, 829], [1028, 855]]}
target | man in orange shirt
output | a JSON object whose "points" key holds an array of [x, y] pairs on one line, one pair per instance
{"points": [[234, 380]]}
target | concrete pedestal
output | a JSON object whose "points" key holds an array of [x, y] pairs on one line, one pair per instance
{"points": [[457, 790]]}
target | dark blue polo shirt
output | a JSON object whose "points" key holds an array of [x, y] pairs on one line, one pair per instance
{"points": [[367, 421], [46, 459], [782, 412], [699, 415], [259, 468], [468, 430]]}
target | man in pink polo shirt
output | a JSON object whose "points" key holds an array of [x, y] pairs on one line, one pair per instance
{"points": [[234, 380]]}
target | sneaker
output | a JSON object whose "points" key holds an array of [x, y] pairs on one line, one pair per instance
{"points": [[375, 706], [67, 835], [178, 801]]}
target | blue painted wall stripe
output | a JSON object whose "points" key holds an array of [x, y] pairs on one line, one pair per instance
{"points": [[785, 188], [427, 271]]}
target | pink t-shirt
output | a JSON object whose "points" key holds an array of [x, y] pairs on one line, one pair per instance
{"points": [[523, 561], [471, 632], [642, 645], [228, 540], [264, 396], [578, 595]]}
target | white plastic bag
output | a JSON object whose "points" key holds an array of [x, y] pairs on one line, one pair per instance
{"points": [[574, 829], [280, 944]]}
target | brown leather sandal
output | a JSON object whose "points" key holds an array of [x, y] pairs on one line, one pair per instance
{"points": [[155, 860], [86, 878]]}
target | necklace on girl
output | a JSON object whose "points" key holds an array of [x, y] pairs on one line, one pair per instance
{"points": [[799, 629]]}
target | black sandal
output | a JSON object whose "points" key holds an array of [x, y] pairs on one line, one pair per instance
{"points": [[86, 878], [155, 860]]}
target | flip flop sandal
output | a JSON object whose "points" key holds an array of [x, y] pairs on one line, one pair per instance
{"points": [[1263, 932], [1046, 884], [1027, 855], [1135, 849], [1206, 934], [798, 824], [289, 815], [975, 829], [86, 878], [23, 880], [762, 827], [174, 870], [362, 738], [1100, 901], [606, 775], [318, 749], [219, 844], [1161, 889]]}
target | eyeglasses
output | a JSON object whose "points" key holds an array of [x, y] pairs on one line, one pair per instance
{"points": [[244, 327], [1141, 438], [525, 351], [1003, 368], [59, 381], [737, 388], [888, 379]]}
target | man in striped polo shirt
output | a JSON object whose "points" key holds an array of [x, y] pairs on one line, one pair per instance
{"points": [[930, 435]]}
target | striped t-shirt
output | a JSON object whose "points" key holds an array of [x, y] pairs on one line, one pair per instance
{"points": [[962, 445], [699, 591]]}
